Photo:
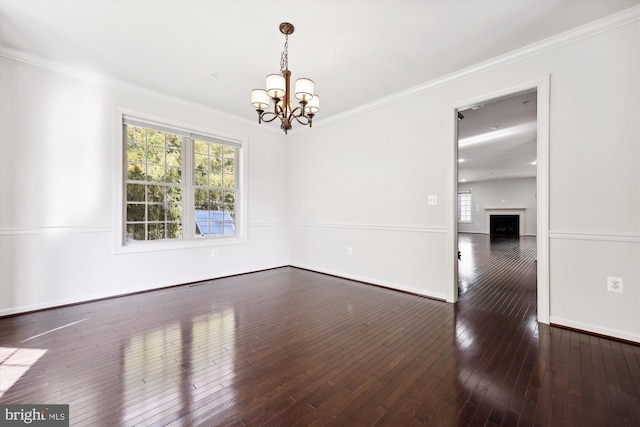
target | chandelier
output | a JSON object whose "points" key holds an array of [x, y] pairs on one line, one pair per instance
{"points": [[278, 91]]}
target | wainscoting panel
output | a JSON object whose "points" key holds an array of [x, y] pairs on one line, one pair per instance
{"points": [[581, 263], [404, 258]]}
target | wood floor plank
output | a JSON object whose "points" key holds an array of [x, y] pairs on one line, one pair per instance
{"points": [[290, 347]]}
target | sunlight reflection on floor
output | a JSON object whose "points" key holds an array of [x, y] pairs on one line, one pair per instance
{"points": [[14, 363]]}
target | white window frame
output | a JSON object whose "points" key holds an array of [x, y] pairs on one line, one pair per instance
{"points": [[188, 241], [470, 219]]}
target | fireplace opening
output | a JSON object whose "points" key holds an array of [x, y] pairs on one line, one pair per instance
{"points": [[504, 225]]}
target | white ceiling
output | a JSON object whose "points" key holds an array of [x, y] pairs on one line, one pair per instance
{"points": [[497, 140], [355, 51]]}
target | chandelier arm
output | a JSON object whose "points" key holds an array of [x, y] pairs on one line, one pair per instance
{"points": [[292, 113], [268, 113], [303, 122], [276, 109]]}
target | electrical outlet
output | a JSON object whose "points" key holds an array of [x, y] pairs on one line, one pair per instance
{"points": [[349, 250], [432, 199], [614, 284], [214, 253]]}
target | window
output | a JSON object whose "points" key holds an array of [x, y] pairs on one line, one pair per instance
{"points": [[179, 185], [464, 206], [215, 188]]}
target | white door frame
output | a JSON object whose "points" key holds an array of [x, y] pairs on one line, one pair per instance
{"points": [[542, 188]]}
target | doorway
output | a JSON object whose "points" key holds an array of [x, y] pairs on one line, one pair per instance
{"points": [[510, 181]]}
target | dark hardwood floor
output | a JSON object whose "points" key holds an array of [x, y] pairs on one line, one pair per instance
{"points": [[289, 347]]}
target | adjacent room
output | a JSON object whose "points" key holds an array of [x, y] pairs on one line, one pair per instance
{"points": [[408, 212]]}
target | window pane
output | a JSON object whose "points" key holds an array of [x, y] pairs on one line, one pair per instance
{"points": [[175, 213], [229, 181], [156, 231], [155, 193], [135, 172], [201, 199], [200, 162], [464, 206], [174, 231], [229, 197], [155, 213], [215, 200], [229, 152], [174, 157], [229, 166], [135, 212], [135, 134], [215, 165], [155, 137], [174, 194], [215, 180], [200, 147], [200, 178], [135, 192], [135, 152], [174, 142], [231, 210], [155, 173], [135, 231], [230, 203], [173, 175], [215, 150], [155, 155]]}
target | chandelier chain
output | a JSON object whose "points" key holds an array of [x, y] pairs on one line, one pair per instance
{"points": [[284, 58]]}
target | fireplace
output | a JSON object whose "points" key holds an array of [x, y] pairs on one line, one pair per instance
{"points": [[504, 225]]}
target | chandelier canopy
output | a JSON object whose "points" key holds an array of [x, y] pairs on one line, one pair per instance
{"points": [[278, 90]]}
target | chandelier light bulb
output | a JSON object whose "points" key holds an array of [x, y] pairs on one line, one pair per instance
{"points": [[313, 106], [276, 86], [304, 89], [259, 99]]}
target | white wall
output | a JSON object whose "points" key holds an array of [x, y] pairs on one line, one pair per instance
{"points": [[501, 194], [362, 180], [58, 186], [364, 184]]}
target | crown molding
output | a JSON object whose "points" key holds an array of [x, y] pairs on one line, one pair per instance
{"points": [[111, 83], [603, 25]]}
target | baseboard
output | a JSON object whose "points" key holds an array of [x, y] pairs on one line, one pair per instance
{"points": [[34, 308], [595, 330], [378, 283]]}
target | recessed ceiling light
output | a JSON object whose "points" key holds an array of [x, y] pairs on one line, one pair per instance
{"points": [[496, 127], [525, 102], [463, 180], [534, 162], [477, 107], [460, 160]]}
